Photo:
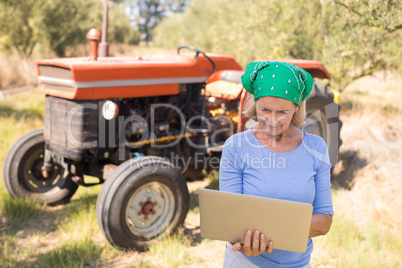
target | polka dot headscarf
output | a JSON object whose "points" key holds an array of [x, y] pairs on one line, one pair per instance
{"points": [[277, 79]]}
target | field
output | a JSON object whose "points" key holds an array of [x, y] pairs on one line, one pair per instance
{"points": [[367, 227]]}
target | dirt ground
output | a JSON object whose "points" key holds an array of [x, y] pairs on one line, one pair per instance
{"points": [[370, 171]]}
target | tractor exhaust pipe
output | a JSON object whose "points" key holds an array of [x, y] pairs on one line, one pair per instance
{"points": [[93, 35], [104, 46]]}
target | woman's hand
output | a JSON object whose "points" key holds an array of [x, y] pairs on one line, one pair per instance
{"points": [[257, 247]]}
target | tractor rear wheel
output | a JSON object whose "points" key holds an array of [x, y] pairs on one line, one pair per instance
{"points": [[323, 118], [143, 200], [23, 176]]}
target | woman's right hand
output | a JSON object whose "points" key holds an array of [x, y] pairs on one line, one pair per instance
{"points": [[257, 247]]}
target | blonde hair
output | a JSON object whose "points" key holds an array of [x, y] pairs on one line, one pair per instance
{"points": [[250, 111]]}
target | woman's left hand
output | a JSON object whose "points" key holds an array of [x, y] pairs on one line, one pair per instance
{"points": [[257, 247]]}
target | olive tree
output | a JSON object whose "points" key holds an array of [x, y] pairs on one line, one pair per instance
{"points": [[352, 38], [58, 25]]}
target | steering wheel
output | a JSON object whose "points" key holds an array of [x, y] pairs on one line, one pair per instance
{"points": [[196, 57]]}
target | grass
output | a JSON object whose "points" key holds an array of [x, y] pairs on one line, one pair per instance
{"points": [[379, 90], [20, 211], [351, 245], [75, 254], [365, 233], [170, 251], [19, 114], [16, 70]]}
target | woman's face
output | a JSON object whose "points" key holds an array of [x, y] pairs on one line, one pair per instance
{"points": [[275, 114]]}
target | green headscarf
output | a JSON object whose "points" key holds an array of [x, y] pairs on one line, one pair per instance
{"points": [[277, 79]]}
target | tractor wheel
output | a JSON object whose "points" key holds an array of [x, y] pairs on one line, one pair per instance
{"points": [[143, 200], [323, 118], [23, 176]]}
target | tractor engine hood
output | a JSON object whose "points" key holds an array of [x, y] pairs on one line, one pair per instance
{"points": [[112, 77]]}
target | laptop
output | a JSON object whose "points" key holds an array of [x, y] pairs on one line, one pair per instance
{"points": [[227, 216]]}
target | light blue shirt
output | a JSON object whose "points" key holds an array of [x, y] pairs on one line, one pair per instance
{"points": [[302, 175]]}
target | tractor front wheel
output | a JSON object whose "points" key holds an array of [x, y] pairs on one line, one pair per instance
{"points": [[23, 175], [143, 200]]}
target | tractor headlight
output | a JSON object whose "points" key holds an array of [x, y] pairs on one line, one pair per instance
{"points": [[110, 110]]}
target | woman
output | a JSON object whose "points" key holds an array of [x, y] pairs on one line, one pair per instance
{"points": [[275, 159]]}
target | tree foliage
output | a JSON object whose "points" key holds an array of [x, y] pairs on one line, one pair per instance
{"points": [[147, 14], [121, 29], [19, 27], [352, 38], [58, 25], [365, 37]]}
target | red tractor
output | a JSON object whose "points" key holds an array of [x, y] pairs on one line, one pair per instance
{"points": [[141, 126]]}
